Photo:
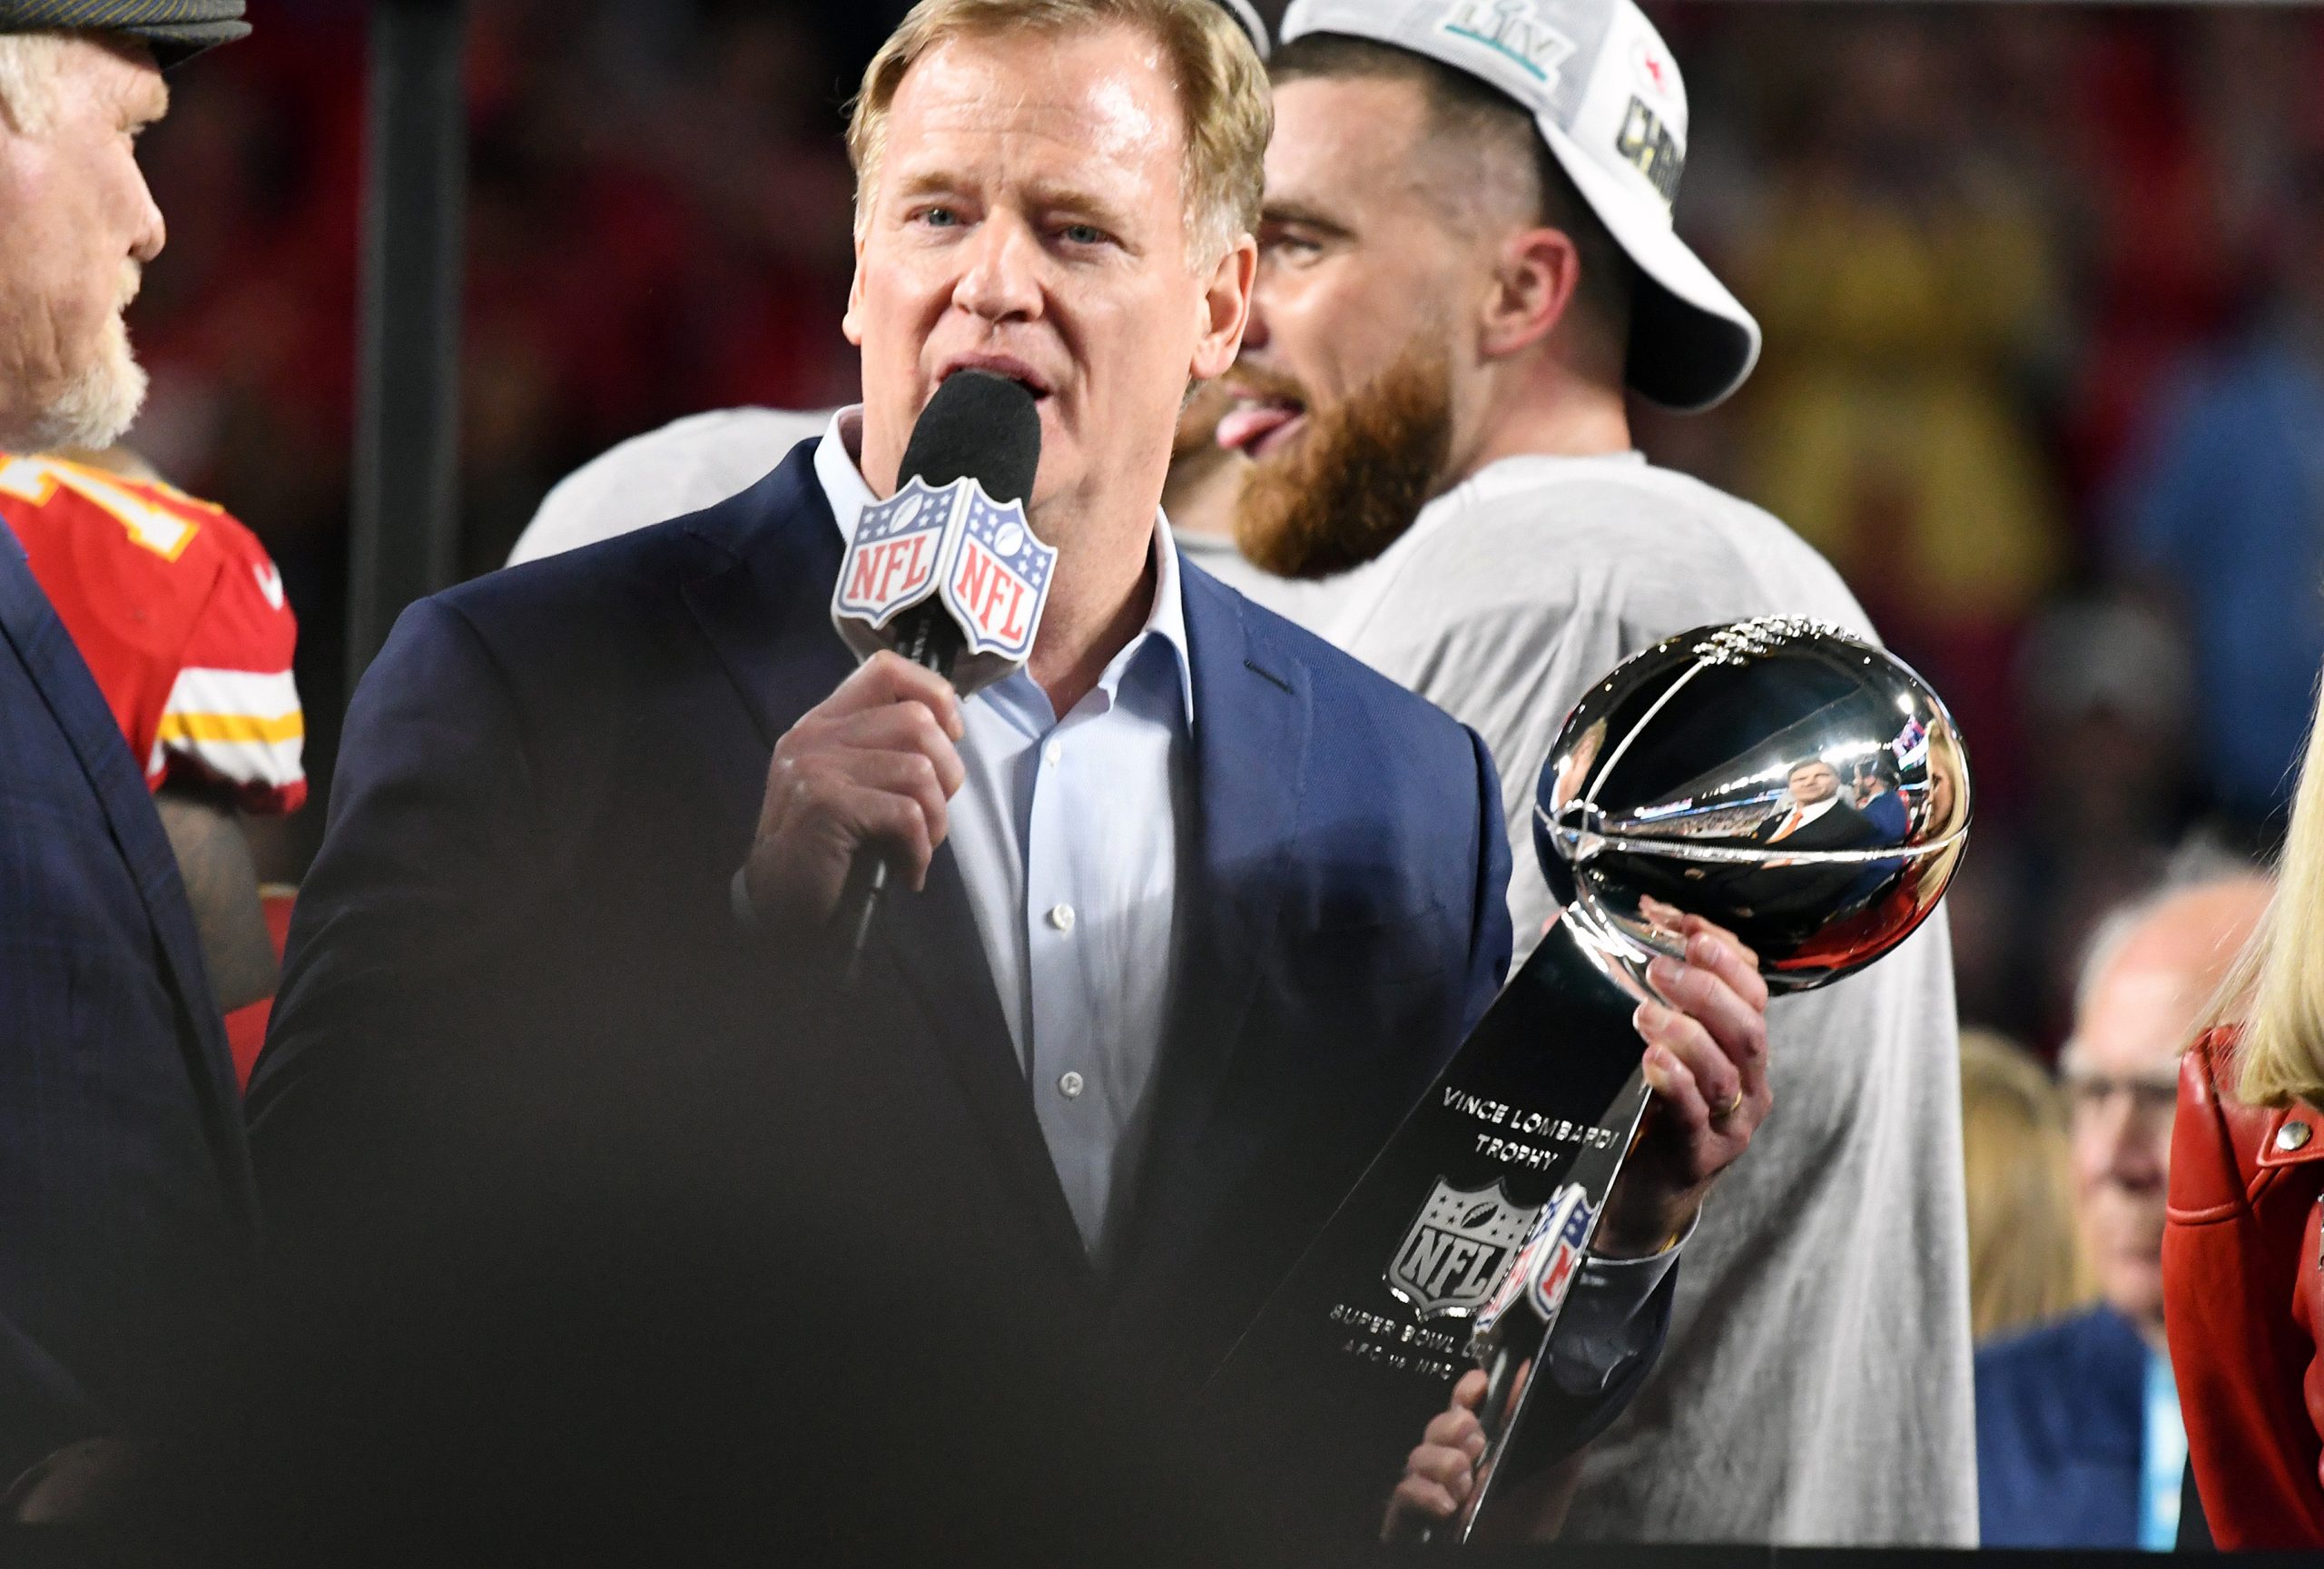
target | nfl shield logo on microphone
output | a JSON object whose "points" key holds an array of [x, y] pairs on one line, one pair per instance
{"points": [[996, 577], [899, 545]]}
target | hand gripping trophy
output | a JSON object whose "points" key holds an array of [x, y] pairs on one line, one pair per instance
{"points": [[1800, 788]]}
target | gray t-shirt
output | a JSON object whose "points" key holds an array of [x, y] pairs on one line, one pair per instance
{"points": [[1815, 1388], [684, 467]]}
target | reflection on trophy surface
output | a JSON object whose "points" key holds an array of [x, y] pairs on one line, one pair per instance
{"points": [[1782, 778], [1710, 773]]}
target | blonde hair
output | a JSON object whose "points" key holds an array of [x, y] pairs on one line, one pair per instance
{"points": [[30, 67], [2025, 1260], [1222, 92], [2276, 990]]}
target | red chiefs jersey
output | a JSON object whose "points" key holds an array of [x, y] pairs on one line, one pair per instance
{"points": [[179, 613]]}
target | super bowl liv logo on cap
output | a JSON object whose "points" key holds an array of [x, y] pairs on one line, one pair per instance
{"points": [[1515, 30]]}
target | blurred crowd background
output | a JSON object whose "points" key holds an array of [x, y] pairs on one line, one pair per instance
{"points": [[2043, 285]]}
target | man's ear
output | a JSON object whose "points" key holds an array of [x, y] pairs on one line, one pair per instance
{"points": [[1536, 274], [852, 324], [1225, 308]]}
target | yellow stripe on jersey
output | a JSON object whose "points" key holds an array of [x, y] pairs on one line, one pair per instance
{"points": [[271, 764], [198, 727], [246, 726]]}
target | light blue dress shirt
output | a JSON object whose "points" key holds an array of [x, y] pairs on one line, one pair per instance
{"points": [[1067, 833], [1066, 836]]}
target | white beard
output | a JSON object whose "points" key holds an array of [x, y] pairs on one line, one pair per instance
{"points": [[97, 407], [91, 410]]}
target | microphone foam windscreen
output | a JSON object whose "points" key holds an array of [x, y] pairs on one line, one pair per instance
{"points": [[981, 427]]}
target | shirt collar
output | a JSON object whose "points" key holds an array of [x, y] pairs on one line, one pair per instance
{"points": [[845, 490], [1358, 592]]}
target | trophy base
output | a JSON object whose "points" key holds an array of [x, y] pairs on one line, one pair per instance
{"points": [[1334, 1382]]}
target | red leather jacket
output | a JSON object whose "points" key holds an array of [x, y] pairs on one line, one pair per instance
{"points": [[2243, 1302]]}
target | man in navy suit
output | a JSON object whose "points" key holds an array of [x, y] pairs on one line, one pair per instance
{"points": [[1191, 910], [125, 1200], [2079, 1437]]}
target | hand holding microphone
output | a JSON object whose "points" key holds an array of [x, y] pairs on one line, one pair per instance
{"points": [[871, 765], [942, 593]]}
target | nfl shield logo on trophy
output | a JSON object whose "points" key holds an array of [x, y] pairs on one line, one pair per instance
{"points": [[1456, 1248], [996, 577], [1567, 1234], [898, 545]]}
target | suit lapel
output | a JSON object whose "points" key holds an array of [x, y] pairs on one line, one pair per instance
{"points": [[1251, 746], [71, 695], [765, 610], [766, 613]]}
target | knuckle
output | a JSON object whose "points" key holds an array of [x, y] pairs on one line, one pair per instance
{"points": [[1696, 985]]}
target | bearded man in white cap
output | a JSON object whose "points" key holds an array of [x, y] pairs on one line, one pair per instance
{"points": [[1467, 262]]}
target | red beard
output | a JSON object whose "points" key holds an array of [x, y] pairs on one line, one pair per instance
{"points": [[1356, 479]]}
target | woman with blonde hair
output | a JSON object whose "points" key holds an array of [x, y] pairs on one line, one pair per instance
{"points": [[2243, 1278], [2024, 1265]]}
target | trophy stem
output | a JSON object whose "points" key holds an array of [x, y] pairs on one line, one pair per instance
{"points": [[1518, 1346], [1461, 1235]]}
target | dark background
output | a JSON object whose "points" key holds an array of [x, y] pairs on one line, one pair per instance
{"points": [[2043, 289]]}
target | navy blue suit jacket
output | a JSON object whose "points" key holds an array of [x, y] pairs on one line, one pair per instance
{"points": [[513, 979], [126, 1217], [2061, 1429]]}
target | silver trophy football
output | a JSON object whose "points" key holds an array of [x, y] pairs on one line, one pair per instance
{"points": [[1783, 778], [1800, 788]]}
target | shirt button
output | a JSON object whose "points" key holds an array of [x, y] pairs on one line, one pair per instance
{"points": [[2293, 1136], [1062, 917], [1053, 754], [1070, 1086]]}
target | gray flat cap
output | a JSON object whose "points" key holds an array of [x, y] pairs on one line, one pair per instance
{"points": [[178, 30]]}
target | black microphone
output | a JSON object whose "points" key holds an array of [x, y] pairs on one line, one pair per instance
{"points": [[947, 572]]}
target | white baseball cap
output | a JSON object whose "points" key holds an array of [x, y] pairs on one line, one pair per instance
{"points": [[1241, 10], [1603, 88]]}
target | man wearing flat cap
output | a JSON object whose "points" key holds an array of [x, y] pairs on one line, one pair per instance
{"points": [[175, 31], [126, 1220]]}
